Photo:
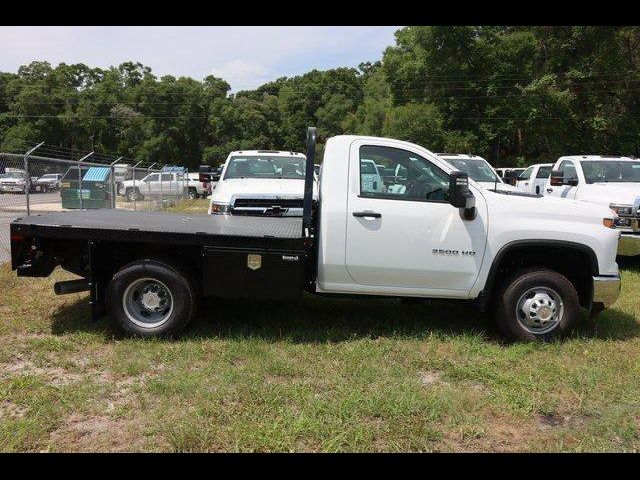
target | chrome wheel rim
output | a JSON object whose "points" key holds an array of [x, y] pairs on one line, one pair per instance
{"points": [[539, 310], [147, 302], [132, 195]]}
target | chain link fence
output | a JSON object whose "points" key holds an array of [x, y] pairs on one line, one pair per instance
{"points": [[41, 179]]}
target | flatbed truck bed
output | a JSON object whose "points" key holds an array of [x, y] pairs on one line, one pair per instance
{"points": [[123, 225]]}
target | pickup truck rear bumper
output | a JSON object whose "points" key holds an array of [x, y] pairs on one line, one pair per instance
{"points": [[629, 244], [606, 291]]}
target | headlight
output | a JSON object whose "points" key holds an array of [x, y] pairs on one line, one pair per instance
{"points": [[220, 208], [622, 209]]}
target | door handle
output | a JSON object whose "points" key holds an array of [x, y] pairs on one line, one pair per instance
{"points": [[549, 190], [367, 213]]}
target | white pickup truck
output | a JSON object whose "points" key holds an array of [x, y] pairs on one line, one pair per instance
{"points": [[534, 178], [610, 181], [534, 261], [478, 169], [164, 184], [260, 182]]}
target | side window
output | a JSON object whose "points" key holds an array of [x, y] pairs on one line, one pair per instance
{"points": [[569, 169], [526, 175], [397, 174], [152, 178], [544, 172], [166, 177]]}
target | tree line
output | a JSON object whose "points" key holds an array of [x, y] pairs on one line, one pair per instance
{"points": [[514, 95]]}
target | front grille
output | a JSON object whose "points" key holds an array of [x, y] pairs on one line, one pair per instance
{"points": [[268, 203]]}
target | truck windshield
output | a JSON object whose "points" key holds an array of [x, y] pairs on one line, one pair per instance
{"points": [[265, 167], [477, 168], [12, 175], [610, 171]]}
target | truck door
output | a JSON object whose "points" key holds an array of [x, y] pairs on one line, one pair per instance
{"points": [[525, 179], [564, 191], [407, 235]]}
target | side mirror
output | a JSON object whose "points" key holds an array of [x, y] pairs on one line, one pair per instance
{"points": [[204, 173], [510, 176], [557, 178], [459, 194]]}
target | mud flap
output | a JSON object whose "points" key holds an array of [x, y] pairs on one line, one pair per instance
{"points": [[96, 289]]}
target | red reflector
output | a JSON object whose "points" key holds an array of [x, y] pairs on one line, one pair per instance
{"points": [[16, 237]]}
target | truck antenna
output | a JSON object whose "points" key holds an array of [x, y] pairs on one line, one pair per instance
{"points": [[307, 202]]}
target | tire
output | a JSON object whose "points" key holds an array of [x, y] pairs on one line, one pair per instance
{"points": [[133, 194], [157, 282], [192, 193], [538, 292]]}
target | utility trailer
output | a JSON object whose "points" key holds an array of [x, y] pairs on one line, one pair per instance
{"points": [[432, 233]]}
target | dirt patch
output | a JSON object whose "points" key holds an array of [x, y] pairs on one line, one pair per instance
{"points": [[429, 377], [550, 421], [497, 434], [9, 410], [98, 433], [56, 376]]}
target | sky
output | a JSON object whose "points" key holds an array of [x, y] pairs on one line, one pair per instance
{"points": [[246, 57]]}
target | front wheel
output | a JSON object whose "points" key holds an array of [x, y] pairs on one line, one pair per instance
{"points": [[536, 305], [192, 193], [151, 298], [133, 195]]}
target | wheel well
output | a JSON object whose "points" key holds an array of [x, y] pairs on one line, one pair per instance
{"points": [[115, 256], [576, 262]]}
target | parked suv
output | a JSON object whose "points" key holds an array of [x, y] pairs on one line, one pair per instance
{"points": [[48, 182]]}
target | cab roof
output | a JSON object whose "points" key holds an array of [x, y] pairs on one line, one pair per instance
{"points": [[597, 157], [268, 153]]}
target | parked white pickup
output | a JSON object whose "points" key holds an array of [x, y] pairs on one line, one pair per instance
{"points": [[260, 182], [534, 178], [478, 169], [610, 181], [153, 185]]}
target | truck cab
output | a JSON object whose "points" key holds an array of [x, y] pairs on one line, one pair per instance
{"points": [[534, 178], [606, 180]]}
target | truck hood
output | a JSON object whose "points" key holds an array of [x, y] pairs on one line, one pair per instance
{"points": [[607, 193], [12, 180], [544, 208], [260, 188]]}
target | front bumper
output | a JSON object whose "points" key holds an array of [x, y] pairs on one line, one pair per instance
{"points": [[629, 244], [12, 188], [606, 291]]}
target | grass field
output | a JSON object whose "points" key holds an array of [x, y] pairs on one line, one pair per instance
{"points": [[317, 375]]}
